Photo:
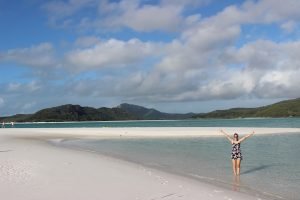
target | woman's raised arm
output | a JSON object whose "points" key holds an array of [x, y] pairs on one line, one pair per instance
{"points": [[245, 137], [228, 137]]}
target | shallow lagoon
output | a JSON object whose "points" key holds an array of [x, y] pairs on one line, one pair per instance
{"points": [[270, 169]]}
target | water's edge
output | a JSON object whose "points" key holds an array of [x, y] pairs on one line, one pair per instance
{"points": [[65, 143], [244, 122]]}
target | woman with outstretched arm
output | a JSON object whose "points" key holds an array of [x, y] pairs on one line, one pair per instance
{"points": [[236, 154]]}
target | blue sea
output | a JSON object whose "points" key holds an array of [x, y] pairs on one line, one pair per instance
{"points": [[250, 122], [270, 168]]}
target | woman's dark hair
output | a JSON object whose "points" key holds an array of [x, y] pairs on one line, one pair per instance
{"points": [[236, 135]]}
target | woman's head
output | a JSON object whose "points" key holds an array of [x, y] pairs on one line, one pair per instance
{"points": [[236, 136]]}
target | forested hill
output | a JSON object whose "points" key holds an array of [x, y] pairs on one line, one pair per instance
{"points": [[288, 108], [71, 112], [152, 114]]}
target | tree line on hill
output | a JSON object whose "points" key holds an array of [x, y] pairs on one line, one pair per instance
{"points": [[288, 108]]}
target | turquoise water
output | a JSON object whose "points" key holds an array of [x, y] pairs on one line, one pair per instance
{"points": [[270, 169], [256, 122]]}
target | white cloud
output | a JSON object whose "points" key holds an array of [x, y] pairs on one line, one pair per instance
{"points": [[86, 41], [58, 10], [194, 3], [265, 69], [111, 53], [33, 86], [257, 12], [275, 10], [264, 54], [151, 18], [203, 63], [41, 55], [12, 87], [199, 64], [165, 15], [289, 26], [29, 88], [279, 84], [139, 16]]}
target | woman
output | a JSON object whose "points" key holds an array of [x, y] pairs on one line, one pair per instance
{"points": [[236, 154]]}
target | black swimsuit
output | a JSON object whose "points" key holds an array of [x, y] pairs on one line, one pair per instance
{"points": [[236, 152]]}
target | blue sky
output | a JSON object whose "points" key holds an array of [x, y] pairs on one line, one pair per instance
{"points": [[173, 55]]}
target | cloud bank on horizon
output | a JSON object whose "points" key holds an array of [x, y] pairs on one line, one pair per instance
{"points": [[176, 55]]}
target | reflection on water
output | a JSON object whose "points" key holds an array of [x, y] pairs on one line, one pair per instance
{"points": [[236, 183]]}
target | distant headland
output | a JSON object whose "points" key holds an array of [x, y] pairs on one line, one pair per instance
{"points": [[69, 112]]}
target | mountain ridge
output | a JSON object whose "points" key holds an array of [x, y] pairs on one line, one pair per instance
{"points": [[125, 111], [151, 113], [70, 112], [286, 108]]}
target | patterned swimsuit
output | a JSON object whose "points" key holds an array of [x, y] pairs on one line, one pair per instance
{"points": [[236, 151]]}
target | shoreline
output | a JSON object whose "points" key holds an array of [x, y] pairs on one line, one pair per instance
{"points": [[218, 183], [115, 132], [31, 168], [146, 120]]}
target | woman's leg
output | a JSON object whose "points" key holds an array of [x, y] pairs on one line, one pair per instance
{"points": [[234, 166], [238, 166]]}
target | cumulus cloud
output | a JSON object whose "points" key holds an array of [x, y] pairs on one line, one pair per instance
{"points": [[144, 16], [279, 84], [13, 87], [18, 96], [262, 69], [41, 55], [111, 53], [273, 10], [87, 41], [268, 55], [166, 15], [61, 10], [150, 18], [194, 3], [289, 26], [257, 12], [30, 87], [203, 63]]}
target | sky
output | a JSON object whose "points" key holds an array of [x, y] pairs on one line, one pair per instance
{"points": [[173, 55]]}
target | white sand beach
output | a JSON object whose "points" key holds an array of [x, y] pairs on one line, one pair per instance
{"points": [[33, 169]]}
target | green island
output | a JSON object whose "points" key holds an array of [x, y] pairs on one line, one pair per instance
{"points": [[69, 112]]}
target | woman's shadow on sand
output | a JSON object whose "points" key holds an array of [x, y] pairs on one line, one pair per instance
{"points": [[258, 168]]}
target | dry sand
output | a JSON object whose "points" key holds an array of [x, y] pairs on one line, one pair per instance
{"points": [[32, 169]]}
